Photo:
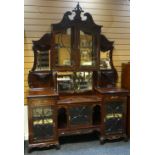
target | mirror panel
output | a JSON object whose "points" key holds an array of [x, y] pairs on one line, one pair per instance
{"points": [[63, 48], [83, 81], [86, 49], [43, 60], [105, 60], [74, 81], [65, 81]]}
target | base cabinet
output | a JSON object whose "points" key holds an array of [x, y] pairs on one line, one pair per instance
{"points": [[114, 116], [42, 123], [49, 119], [114, 113]]}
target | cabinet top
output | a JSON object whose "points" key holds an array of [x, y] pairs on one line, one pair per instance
{"points": [[111, 90], [42, 92]]}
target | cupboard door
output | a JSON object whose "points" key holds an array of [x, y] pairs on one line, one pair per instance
{"points": [[80, 115], [114, 116], [63, 48], [43, 125], [86, 49]]}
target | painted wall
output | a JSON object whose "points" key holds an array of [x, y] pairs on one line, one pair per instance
{"points": [[114, 15]]}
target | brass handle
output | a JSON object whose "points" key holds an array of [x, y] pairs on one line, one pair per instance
{"points": [[114, 97]]}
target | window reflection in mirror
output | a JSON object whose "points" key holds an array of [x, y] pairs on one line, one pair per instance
{"points": [[63, 47], [74, 81], [83, 81], [86, 49], [105, 60], [43, 60], [65, 81]]}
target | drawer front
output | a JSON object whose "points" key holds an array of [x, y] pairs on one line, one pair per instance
{"points": [[115, 97], [40, 101]]}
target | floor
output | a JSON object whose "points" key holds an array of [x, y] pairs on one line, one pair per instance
{"points": [[84, 146]]}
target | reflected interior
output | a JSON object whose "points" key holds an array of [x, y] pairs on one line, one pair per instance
{"points": [[63, 47], [43, 60], [74, 81], [86, 49], [105, 60]]}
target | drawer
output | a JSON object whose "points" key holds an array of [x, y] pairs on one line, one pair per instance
{"points": [[115, 98], [41, 101]]}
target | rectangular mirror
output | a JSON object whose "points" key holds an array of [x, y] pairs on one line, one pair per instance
{"points": [[105, 60], [43, 60], [86, 49], [63, 48], [74, 81], [83, 81], [65, 82]]}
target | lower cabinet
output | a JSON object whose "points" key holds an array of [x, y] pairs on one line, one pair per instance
{"points": [[42, 123], [80, 115], [114, 117], [49, 119]]}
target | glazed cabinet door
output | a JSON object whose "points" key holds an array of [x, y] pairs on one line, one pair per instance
{"points": [[114, 115], [42, 123], [80, 115], [88, 48]]}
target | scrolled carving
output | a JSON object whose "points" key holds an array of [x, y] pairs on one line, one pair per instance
{"points": [[105, 44], [67, 22]]}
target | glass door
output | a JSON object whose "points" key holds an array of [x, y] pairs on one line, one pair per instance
{"points": [[63, 48], [42, 123], [86, 49], [80, 115], [114, 118]]}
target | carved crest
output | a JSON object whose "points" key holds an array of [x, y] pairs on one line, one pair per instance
{"points": [[68, 22]]}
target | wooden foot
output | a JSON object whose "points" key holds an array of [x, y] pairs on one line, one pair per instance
{"points": [[29, 149], [57, 146], [126, 139], [102, 140]]}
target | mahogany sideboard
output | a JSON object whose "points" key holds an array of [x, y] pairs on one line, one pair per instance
{"points": [[72, 84]]}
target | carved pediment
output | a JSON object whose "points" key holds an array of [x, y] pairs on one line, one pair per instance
{"points": [[83, 19]]}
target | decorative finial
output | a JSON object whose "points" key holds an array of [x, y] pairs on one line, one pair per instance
{"points": [[78, 11]]}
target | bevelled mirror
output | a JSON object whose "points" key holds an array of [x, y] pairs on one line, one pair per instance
{"points": [[83, 81], [70, 82], [63, 48], [65, 82], [43, 60], [86, 49], [105, 60]]}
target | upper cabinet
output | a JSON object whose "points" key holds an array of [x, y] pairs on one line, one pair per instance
{"points": [[76, 42]]}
